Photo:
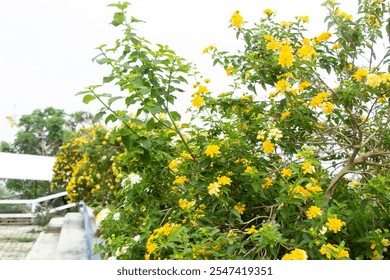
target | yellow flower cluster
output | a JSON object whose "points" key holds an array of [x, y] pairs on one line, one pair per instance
{"points": [[179, 180], [185, 204], [267, 184], [237, 20], [307, 167], [212, 150], [163, 231], [306, 52], [224, 180], [306, 191], [330, 251], [319, 99], [313, 212], [286, 172], [286, 56], [296, 254], [251, 230], [323, 37], [214, 189], [268, 147], [240, 207], [335, 224]]}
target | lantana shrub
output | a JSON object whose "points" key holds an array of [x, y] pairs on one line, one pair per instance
{"points": [[292, 163]]}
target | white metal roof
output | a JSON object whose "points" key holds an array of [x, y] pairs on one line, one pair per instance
{"points": [[26, 167]]}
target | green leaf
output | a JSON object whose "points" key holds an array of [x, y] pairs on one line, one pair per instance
{"points": [[150, 124], [175, 116], [98, 117], [119, 18], [108, 79], [88, 98], [111, 118]]}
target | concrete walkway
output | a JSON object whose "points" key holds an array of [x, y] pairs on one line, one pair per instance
{"points": [[16, 241]]}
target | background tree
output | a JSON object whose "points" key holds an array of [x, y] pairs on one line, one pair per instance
{"points": [[42, 133]]}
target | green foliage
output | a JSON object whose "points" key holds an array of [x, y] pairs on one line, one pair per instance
{"points": [[286, 165]]}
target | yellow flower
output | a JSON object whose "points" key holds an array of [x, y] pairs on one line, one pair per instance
{"points": [[212, 150], [198, 101], [360, 74], [306, 52], [185, 204], [208, 49], [268, 147], [307, 167], [318, 99], [224, 180], [335, 224], [214, 189], [385, 242], [229, 70], [285, 115], [323, 37], [382, 99], [267, 184], [286, 56], [330, 250], [286, 172], [251, 230], [186, 155], [179, 180], [336, 46], [373, 80], [173, 164], [296, 254], [274, 45], [268, 12], [313, 212], [327, 108], [268, 37], [240, 208], [249, 169], [304, 85], [303, 18], [236, 19], [282, 85]]}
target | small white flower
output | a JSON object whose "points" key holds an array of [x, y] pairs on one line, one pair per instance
{"points": [[101, 216], [112, 258], [116, 216], [134, 178], [275, 133], [137, 238], [323, 230]]}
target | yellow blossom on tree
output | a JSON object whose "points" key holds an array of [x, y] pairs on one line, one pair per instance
{"points": [[212, 150], [214, 189], [267, 184], [296, 254], [268, 12], [251, 230], [240, 207], [224, 180], [313, 212], [185, 204], [268, 37], [304, 85], [268, 147], [229, 70], [237, 20], [335, 224], [208, 49], [323, 37], [286, 172], [274, 45], [285, 115], [282, 85], [307, 167], [306, 52], [303, 18], [286, 57], [373, 80], [198, 101], [327, 107], [360, 74], [179, 180]]}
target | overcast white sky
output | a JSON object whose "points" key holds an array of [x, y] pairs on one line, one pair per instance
{"points": [[46, 46]]}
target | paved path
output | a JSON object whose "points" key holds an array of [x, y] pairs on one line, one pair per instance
{"points": [[16, 241]]}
